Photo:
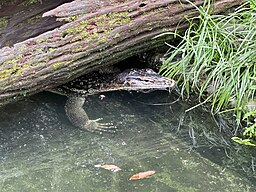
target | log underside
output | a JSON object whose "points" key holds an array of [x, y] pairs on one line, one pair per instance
{"points": [[89, 35]]}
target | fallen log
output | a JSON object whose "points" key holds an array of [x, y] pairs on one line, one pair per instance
{"points": [[22, 19], [93, 34]]}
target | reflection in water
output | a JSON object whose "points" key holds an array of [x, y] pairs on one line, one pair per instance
{"points": [[42, 151]]}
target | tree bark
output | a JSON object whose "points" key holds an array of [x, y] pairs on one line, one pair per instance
{"points": [[22, 19], [92, 34]]}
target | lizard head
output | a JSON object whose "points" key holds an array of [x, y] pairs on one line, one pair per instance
{"points": [[144, 80]]}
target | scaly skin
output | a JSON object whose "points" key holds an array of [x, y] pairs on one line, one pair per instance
{"points": [[79, 118], [143, 80]]}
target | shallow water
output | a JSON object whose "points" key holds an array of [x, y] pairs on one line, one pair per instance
{"points": [[41, 151]]}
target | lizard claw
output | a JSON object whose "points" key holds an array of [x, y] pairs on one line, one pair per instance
{"points": [[95, 126], [78, 117]]}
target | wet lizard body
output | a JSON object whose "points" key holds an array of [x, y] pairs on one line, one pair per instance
{"points": [[141, 80]]}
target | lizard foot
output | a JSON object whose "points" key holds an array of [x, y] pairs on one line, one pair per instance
{"points": [[95, 126]]}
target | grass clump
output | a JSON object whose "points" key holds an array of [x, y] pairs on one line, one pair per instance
{"points": [[217, 59]]}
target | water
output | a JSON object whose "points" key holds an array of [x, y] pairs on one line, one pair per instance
{"points": [[41, 151]]}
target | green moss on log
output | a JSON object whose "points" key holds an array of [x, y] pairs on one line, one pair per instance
{"points": [[92, 28], [3, 22], [35, 19], [58, 64], [31, 2]]}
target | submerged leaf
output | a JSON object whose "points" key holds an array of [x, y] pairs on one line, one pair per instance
{"points": [[142, 175], [112, 168]]}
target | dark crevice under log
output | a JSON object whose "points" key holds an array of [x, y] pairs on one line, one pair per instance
{"points": [[96, 34]]}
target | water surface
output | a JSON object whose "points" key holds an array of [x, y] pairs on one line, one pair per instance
{"points": [[41, 151]]}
